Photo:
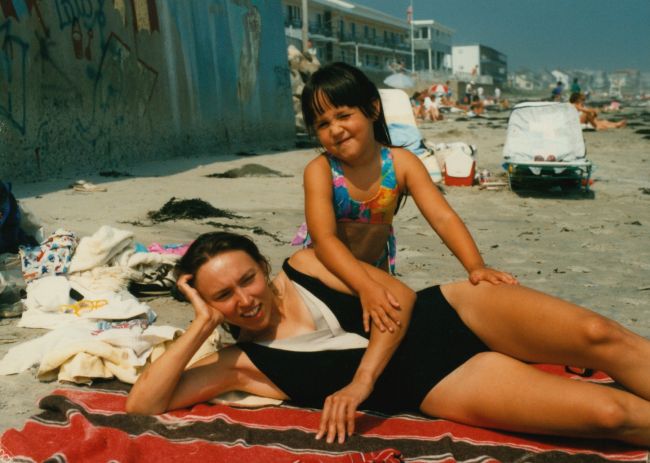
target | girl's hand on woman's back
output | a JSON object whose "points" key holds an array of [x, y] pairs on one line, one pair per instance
{"points": [[491, 276], [381, 306]]}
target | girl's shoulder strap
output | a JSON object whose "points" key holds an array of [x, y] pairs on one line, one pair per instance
{"points": [[389, 178], [335, 165]]}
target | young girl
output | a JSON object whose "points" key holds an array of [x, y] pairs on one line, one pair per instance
{"points": [[352, 191]]}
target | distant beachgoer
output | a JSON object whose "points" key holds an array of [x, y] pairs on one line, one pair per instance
{"points": [[556, 93], [575, 86], [497, 95], [431, 109], [469, 91], [590, 115]]}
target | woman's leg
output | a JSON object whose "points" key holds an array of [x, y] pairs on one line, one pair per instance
{"points": [[496, 391], [535, 327]]}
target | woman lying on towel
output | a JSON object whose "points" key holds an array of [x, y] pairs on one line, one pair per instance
{"points": [[462, 352]]}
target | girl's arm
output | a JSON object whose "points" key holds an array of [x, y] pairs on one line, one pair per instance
{"points": [[166, 384], [378, 303], [443, 219], [337, 418]]}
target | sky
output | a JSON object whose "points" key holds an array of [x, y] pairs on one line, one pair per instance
{"points": [[543, 34]]}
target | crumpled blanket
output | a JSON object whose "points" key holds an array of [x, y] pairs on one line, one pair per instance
{"points": [[79, 352], [108, 260], [49, 304]]}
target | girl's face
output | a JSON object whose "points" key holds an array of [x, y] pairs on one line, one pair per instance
{"points": [[345, 132], [235, 285]]}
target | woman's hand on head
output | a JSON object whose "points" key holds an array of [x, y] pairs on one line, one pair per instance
{"points": [[202, 311], [491, 275], [337, 418], [380, 306]]}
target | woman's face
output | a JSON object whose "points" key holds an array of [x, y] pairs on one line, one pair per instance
{"points": [[236, 285], [345, 132]]}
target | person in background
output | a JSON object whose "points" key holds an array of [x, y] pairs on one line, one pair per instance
{"points": [[469, 92], [556, 93], [575, 86], [590, 115]]}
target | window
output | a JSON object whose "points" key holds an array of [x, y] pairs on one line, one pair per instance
{"points": [[353, 30], [366, 32], [294, 13], [424, 32]]}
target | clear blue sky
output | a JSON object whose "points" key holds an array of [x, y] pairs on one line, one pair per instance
{"points": [[544, 34]]}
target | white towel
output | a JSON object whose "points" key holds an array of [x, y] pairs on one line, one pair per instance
{"points": [[97, 250]]}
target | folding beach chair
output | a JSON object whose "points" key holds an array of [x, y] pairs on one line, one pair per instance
{"points": [[544, 146], [403, 129]]}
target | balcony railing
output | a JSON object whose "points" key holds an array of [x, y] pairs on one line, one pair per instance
{"points": [[320, 29], [376, 41], [296, 23]]}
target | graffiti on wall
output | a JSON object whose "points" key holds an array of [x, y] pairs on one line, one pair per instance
{"points": [[120, 85], [250, 51], [144, 13], [122, 89], [13, 59]]}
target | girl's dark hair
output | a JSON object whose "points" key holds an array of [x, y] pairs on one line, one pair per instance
{"points": [[340, 84], [209, 245]]}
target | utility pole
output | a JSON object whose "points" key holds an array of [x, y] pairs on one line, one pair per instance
{"points": [[305, 26], [410, 17]]}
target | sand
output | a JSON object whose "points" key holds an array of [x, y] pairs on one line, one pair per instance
{"points": [[593, 250]]}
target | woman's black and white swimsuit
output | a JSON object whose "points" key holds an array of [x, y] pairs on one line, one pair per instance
{"points": [[310, 367]]}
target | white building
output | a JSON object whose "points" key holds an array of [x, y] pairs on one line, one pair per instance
{"points": [[432, 44], [368, 38], [470, 62]]}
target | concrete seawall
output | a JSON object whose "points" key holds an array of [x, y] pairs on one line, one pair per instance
{"points": [[88, 84]]}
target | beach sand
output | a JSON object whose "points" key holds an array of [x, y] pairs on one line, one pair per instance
{"points": [[591, 250]]}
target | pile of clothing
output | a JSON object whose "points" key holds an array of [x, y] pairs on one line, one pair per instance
{"points": [[84, 292]]}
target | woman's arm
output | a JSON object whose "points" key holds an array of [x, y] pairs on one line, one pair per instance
{"points": [[378, 302], [443, 219], [340, 407], [166, 384]]}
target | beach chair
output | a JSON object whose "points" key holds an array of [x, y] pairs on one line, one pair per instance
{"points": [[545, 147], [403, 129]]}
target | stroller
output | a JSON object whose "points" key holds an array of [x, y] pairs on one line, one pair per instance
{"points": [[545, 147]]}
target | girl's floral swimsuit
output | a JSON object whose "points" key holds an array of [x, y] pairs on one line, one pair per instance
{"points": [[380, 209]]}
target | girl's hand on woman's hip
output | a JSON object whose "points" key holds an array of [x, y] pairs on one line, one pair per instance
{"points": [[491, 276], [381, 306]]}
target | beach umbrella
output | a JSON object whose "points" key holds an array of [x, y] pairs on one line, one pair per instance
{"points": [[399, 80], [438, 89]]}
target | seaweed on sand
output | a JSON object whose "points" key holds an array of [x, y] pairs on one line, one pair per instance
{"points": [[192, 209], [249, 170], [255, 230]]}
